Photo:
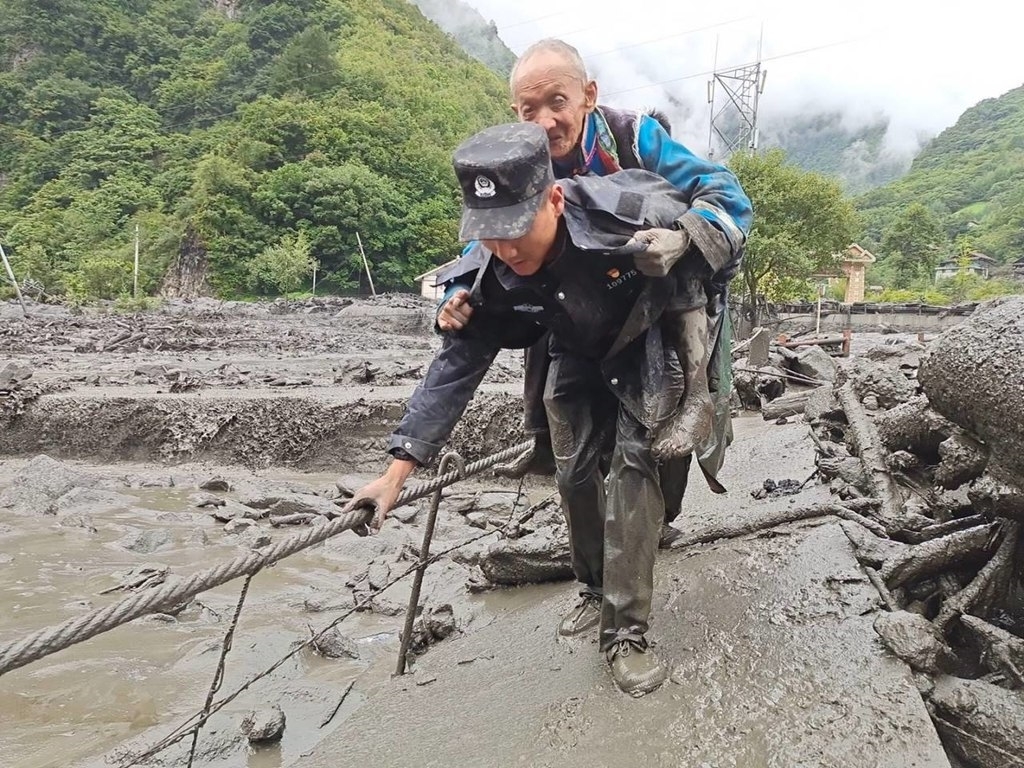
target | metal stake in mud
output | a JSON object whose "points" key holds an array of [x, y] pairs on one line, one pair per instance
{"points": [[414, 598]]}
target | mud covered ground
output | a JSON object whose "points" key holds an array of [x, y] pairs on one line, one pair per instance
{"points": [[138, 448], [308, 384]]}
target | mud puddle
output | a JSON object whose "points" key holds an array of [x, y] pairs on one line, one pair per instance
{"points": [[134, 684]]}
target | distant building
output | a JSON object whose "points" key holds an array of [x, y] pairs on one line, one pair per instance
{"points": [[979, 264], [426, 281], [855, 262]]}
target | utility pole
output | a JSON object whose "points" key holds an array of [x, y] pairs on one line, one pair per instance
{"points": [[315, 265], [366, 264], [735, 120], [14, 282], [135, 273]]}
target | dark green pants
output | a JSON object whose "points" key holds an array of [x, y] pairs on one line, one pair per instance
{"points": [[674, 473], [614, 526]]}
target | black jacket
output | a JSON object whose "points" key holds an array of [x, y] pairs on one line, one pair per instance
{"points": [[591, 297]]}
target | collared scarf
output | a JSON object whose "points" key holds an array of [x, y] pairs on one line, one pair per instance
{"points": [[597, 152], [600, 143]]}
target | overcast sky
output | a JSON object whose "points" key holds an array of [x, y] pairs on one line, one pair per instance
{"points": [[917, 62]]}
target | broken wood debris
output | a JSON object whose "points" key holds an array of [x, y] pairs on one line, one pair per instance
{"points": [[940, 449]]}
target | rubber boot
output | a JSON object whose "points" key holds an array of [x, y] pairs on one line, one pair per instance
{"points": [[586, 614], [691, 424]]}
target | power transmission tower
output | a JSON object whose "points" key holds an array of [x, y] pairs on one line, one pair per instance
{"points": [[734, 121]]}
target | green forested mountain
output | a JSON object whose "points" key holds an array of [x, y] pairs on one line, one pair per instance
{"points": [[822, 143], [234, 133], [477, 36], [970, 177]]}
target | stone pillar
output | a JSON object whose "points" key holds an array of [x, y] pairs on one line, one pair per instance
{"points": [[854, 282]]}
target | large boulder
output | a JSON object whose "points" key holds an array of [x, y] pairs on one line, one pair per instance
{"points": [[974, 376]]}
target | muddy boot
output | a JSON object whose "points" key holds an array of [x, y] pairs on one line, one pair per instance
{"points": [[586, 614], [635, 667], [669, 536], [691, 423], [538, 460]]}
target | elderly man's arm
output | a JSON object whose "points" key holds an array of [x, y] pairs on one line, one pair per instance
{"points": [[720, 214]]}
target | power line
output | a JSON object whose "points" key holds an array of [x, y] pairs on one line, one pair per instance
{"points": [[669, 37], [530, 21], [707, 72]]}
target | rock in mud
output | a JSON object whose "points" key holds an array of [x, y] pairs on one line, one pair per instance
{"points": [[39, 484], [302, 503], [406, 514], [915, 640], [814, 363], [982, 724], [12, 374], [215, 484], [541, 556], [238, 525], [146, 542], [232, 510], [961, 459], [264, 725], [432, 626], [889, 386], [822, 404], [334, 645]]}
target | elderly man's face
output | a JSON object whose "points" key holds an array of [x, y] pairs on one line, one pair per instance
{"points": [[526, 255], [547, 92]]}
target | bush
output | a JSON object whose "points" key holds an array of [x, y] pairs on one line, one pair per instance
{"points": [[98, 277], [125, 304], [284, 266]]}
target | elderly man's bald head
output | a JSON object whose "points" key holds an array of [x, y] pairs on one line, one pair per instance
{"points": [[559, 48]]}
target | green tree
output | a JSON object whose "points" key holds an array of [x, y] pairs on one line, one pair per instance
{"points": [[801, 221], [284, 266], [307, 64], [912, 243]]}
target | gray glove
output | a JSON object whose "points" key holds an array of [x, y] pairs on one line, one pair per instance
{"points": [[536, 460], [664, 248]]}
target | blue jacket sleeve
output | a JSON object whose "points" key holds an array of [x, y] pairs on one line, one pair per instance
{"points": [[454, 285], [720, 214], [440, 399]]}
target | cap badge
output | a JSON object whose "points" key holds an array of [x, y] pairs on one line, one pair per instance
{"points": [[484, 187]]}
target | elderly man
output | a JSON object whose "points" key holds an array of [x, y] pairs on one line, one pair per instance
{"points": [[561, 256], [550, 87]]}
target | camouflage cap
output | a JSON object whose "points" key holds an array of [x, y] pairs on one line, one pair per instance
{"points": [[503, 171]]}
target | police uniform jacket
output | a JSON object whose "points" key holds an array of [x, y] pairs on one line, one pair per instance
{"points": [[590, 295]]}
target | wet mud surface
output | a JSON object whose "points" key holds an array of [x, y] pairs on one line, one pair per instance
{"points": [[769, 636]]}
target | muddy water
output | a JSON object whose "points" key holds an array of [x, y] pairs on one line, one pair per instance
{"points": [[142, 679]]}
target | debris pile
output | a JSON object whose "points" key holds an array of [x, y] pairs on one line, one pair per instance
{"points": [[777, 376], [933, 446]]}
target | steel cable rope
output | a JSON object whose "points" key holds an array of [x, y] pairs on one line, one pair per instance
{"points": [[189, 726], [52, 639]]}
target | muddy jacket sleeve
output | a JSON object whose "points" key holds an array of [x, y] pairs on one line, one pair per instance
{"points": [[440, 399], [720, 212]]}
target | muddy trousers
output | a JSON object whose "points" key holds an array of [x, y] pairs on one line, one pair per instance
{"points": [[674, 472], [614, 527]]}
